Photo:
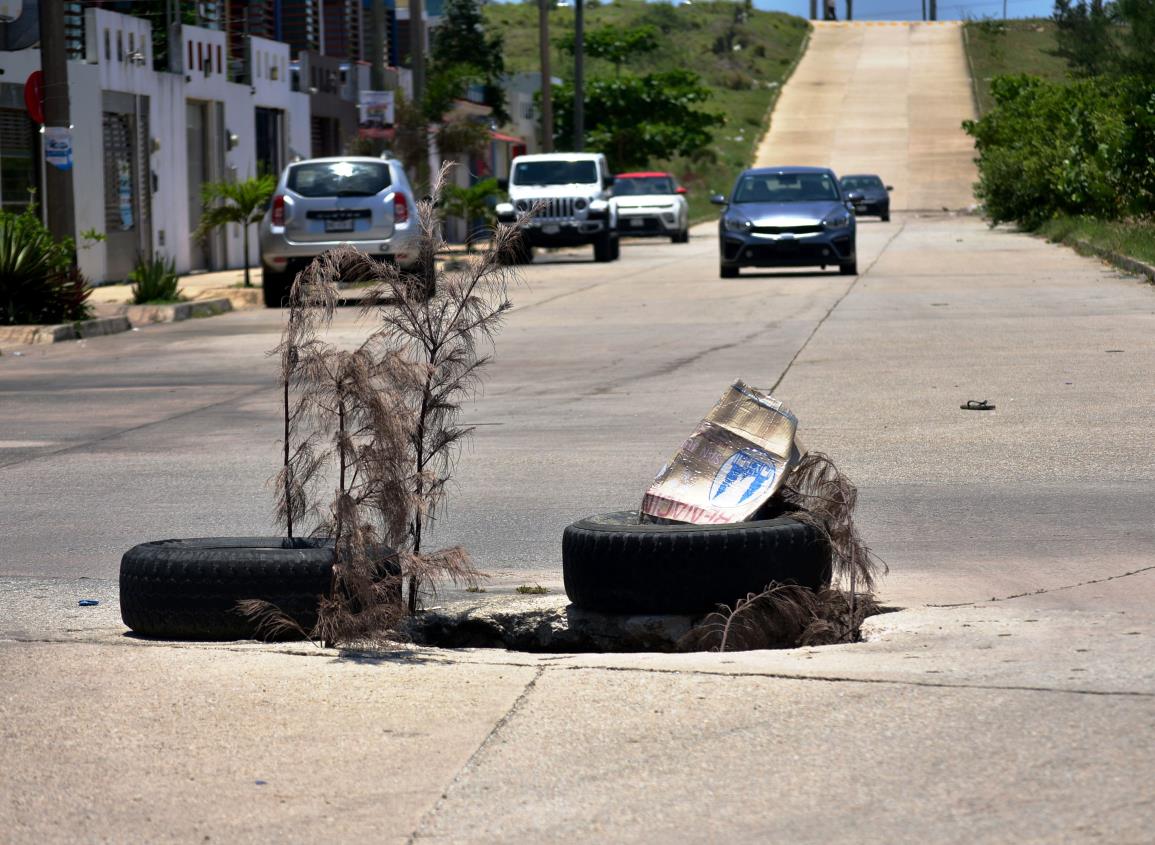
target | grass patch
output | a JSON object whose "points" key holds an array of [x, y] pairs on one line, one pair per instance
{"points": [[1135, 238], [995, 48], [742, 57], [473, 588], [532, 590]]}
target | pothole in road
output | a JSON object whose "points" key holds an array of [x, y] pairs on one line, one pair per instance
{"points": [[551, 624]]}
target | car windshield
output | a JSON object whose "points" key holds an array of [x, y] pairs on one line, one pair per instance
{"points": [[339, 178], [786, 187], [555, 173], [633, 186], [860, 183]]}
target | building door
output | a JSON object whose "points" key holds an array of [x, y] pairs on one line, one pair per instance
{"points": [[270, 141], [19, 159], [127, 184], [197, 144]]}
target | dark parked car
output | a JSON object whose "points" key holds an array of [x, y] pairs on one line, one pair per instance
{"points": [[875, 195], [787, 217]]}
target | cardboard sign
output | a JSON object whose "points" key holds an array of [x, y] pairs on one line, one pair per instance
{"points": [[735, 460]]}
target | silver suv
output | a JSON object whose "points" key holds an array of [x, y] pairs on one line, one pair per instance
{"points": [[321, 203]]}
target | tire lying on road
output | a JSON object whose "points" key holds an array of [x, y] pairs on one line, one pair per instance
{"points": [[612, 564], [189, 589]]}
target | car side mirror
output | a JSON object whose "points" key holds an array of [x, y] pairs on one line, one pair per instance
{"points": [[503, 184], [609, 181], [890, 187], [718, 199], [680, 190], [854, 196]]}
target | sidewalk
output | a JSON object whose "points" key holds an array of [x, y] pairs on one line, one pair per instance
{"points": [[221, 284], [997, 722]]}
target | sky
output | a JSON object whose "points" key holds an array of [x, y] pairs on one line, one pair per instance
{"points": [[911, 10], [901, 10]]}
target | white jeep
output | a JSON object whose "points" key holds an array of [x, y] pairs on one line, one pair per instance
{"points": [[569, 197]]}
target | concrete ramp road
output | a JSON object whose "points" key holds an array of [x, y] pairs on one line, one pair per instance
{"points": [[886, 98]]}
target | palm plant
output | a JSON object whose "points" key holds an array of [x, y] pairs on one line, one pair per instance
{"points": [[240, 202], [471, 204]]}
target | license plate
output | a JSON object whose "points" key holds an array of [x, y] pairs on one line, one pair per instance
{"points": [[338, 225], [550, 229], [861, 209], [637, 224]]}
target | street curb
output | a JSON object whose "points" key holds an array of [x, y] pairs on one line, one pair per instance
{"points": [[1123, 262], [64, 331], [142, 315]]}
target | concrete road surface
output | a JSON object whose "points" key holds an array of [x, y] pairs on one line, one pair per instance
{"points": [[883, 98], [1010, 698]]}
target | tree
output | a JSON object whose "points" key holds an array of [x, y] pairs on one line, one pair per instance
{"points": [[636, 119], [243, 204], [471, 204], [1138, 17], [464, 53], [1083, 33], [617, 46]]}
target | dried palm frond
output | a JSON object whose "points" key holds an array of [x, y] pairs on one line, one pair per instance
{"points": [[817, 493], [781, 616]]}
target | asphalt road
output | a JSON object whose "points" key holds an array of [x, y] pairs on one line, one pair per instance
{"points": [[602, 370]]}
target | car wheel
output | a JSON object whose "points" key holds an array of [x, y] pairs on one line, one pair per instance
{"points": [[617, 247], [727, 272], [612, 564], [885, 216], [275, 287], [604, 248], [849, 269]]}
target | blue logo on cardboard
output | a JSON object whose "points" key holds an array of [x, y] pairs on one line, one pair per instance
{"points": [[740, 479]]}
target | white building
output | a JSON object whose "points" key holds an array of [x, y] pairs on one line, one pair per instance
{"points": [[146, 141]]}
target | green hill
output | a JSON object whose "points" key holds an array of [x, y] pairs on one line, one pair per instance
{"points": [[996, 47], [742, 54]]}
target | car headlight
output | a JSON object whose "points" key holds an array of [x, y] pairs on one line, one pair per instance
{"points": [[580, 204], [837, 220], [522, 205], [737, 224]]}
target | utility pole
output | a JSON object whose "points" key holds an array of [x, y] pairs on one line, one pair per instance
{"points": [[579, 74], [378, 41], [58, 208], [814, 9], [417, 47], [850, 10], [934, 10], [546, 76]]}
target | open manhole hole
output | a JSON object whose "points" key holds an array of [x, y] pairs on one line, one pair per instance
{"points": [[551, 624]]}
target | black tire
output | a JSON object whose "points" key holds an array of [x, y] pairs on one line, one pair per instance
{"points": [[617, 248], [885, 217], [727, 272], [275, 286], [604, 247], [849, 269], [612, 564], [188, 589]]}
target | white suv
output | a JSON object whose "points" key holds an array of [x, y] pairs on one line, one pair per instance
{"points": [[571, 195], [321, 203], [650, 203]]}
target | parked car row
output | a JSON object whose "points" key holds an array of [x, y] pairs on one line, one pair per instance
{"points": [[795, 217], [773, 216]]}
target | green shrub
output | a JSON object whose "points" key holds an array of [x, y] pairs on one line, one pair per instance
{"points": [[154, 281], [1078, 148], [39, 284]]}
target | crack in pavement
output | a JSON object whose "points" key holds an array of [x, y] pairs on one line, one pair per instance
{"points": [[837, 302], [442, 660], [114, 434], [1046, 590], [469, 764]]}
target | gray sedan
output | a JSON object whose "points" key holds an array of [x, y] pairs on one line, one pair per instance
{"points": [[787, 217]]}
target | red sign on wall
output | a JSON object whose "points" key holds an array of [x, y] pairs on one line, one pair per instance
{"points": [[34, 96]]}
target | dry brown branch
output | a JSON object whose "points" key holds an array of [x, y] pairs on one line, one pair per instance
{"points": [[820, 495]]}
